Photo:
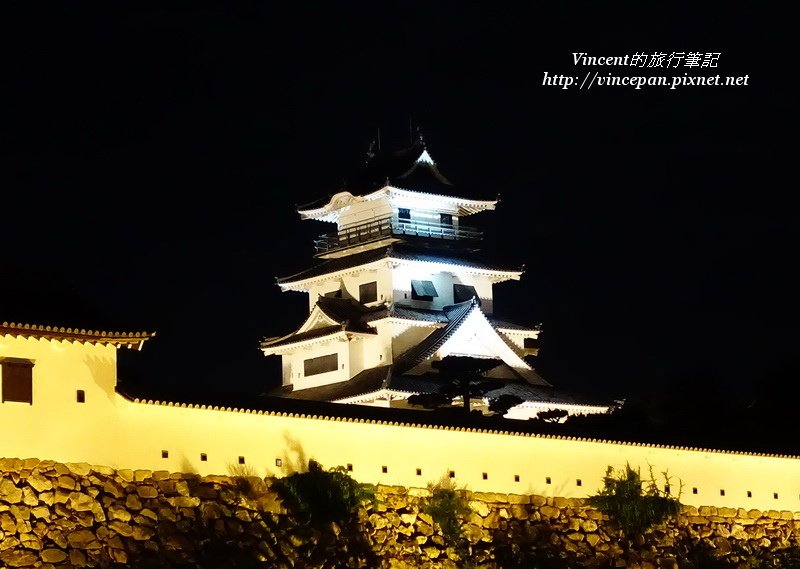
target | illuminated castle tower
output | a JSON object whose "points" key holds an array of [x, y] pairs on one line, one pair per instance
{"points": [[397, 287]]}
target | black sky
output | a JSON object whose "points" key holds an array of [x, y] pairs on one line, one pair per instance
{"points": [[151, 159]]}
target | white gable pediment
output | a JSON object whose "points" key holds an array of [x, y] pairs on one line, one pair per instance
{"points": [[317, 319], [476, 337]]}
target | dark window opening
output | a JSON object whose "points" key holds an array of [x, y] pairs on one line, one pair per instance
{"points": [[404, 214], [579, 482], [516, 478], [548, 481], [463, 293], [278, 462], [423, 290], [203, 457], [452, 474], [164, 454], [722, 492], [419, 472], [80, 396], [241, 460], [368, 292], [349, 467], [694, 490], [445, 219], [749, 494], [334, 293], [384, 469], [322, 364], [486, 476], [529, 343], [775, 496], [17, 380]]}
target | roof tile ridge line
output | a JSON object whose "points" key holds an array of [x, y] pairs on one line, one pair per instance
{"points": [[456, 324], [494, 201], [487, 431], [513, 347], [75, 331]]}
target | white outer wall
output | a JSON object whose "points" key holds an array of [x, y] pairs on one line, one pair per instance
{"points": [[297, 358], [110, 430]]}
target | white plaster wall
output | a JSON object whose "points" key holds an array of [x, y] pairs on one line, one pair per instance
{"points": [[298, 357], [56, 423], [110, 430], [361, 212]]}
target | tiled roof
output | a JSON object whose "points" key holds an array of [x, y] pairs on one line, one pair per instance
{"points": [[367, 381], [456, 314], [410, 313], [350, 313], [395, 251], [301, 336], [119, 339], [430, 383], [512, 326]]}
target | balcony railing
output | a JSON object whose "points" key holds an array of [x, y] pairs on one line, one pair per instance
{"points": [[391, 226]]}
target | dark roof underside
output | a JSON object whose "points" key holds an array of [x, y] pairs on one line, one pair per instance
{"points": [[397, 251], [367, 381]]}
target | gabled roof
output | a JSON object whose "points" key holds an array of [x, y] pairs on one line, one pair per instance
{"points": [[329, 317], [410, 168], [455, 314], [59, 333], [397, 251]]}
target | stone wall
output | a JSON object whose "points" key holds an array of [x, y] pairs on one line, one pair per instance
{"points": [[76, 515]]}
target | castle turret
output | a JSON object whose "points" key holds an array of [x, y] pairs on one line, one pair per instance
{"points": [[397, 286]]}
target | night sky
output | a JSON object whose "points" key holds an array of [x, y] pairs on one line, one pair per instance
{"points": [[151, 160]]}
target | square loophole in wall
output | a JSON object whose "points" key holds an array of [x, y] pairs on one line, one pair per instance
{"points": [[241, 460], [516, 478], [203, 457], [419, 472], [774, 495], [749, 494], [278, 462], [384, 469], [485, 476], [548, 480], [164, 454], [578, 482], [80, 396], [452, 474], [694, 490], [349, 467], [721, 492]]}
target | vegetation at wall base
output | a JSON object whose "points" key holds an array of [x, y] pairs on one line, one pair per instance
{"points": [[446, 506], [323, 496], [634, 506]]}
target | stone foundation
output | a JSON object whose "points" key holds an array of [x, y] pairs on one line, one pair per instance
{"points": [[76, 515]]}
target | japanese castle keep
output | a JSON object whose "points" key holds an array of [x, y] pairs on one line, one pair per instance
{"points": [[397, 286]]}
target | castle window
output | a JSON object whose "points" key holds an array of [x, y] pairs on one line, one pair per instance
{"points": [[368, 292], [203, 457], [445, 219], [452, 474], [241, 460], [322, 364], [516, 478], [749, 494], [164, 454], [423, 290], [384, 469], [17, 382], [463, 293], [530, 343], [578, 482], [721, 492], [419, 472], [404, 215], [775, 496], [80, 396], [548, 480], [485, 476], [694, 490]]}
